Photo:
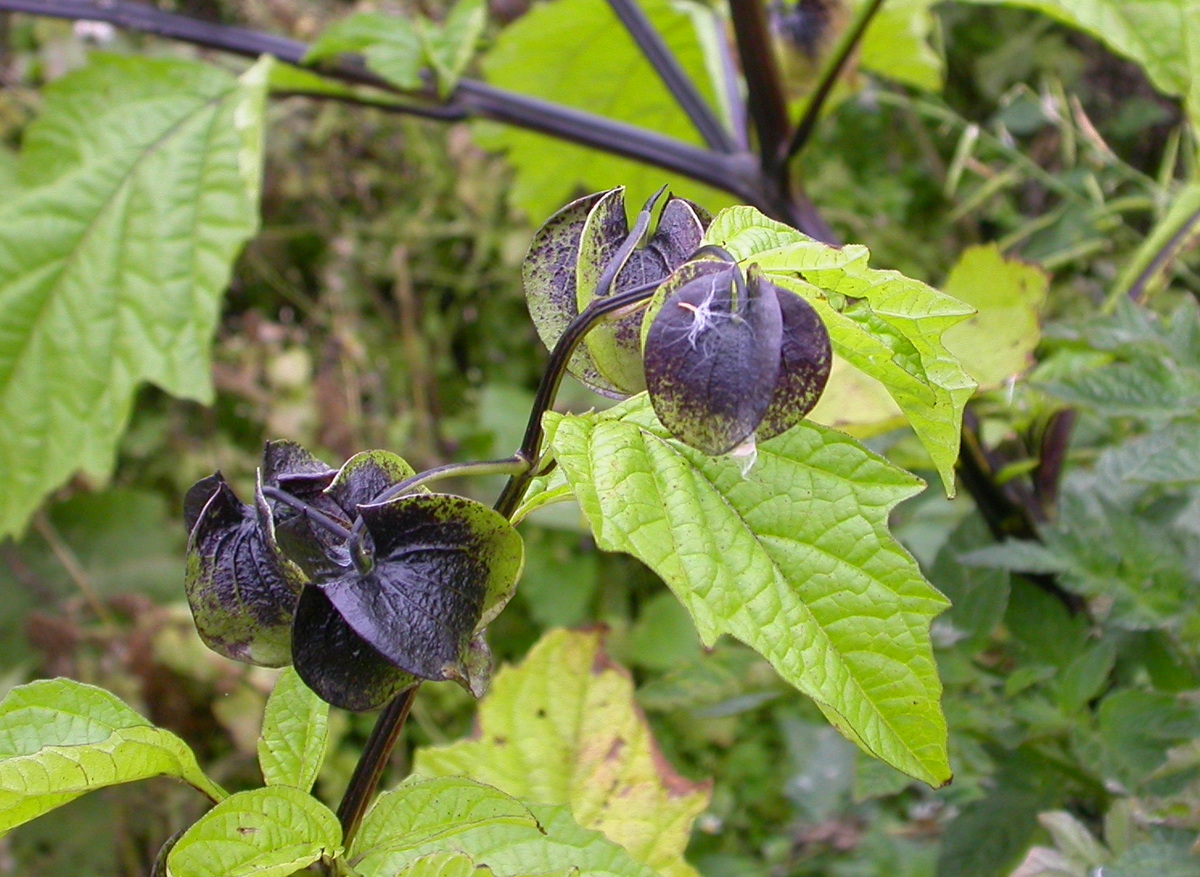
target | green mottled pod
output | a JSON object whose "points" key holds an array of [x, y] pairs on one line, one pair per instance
{"points": [[241, 589]]}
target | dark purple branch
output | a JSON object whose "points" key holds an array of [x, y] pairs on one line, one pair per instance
{"points": [[735, 174], [764, 83], [677, 82]]}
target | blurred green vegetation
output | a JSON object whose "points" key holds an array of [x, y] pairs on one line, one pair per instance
{"points": [[381, 307]]}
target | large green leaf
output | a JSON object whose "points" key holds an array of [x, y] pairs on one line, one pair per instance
{"points": [[139, 186], [584, 58], [562, 728], [269, 832], [1159, 35], [422, 817], [294, 734], [885, 324], [793, 558], [458, 865], [60, 739]]}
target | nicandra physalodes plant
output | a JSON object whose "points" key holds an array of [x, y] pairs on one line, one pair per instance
{"points": [[365, 587]]}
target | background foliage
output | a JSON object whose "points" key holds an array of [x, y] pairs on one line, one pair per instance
{"points": [[1036, 159]]}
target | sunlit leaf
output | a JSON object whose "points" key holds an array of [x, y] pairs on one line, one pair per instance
{"points": [[269, 832], [997, 342], [294, 734], [422, 817], [60, 739], [793, 559], [562, 728]]}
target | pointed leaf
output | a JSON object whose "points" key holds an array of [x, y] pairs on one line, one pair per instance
{"points": [[451, 47], [140, 186], [60, 739], [563, 728], [795, 560], [270, 832], [996, 343], [885, 324], [294, 734], [421, 817], [390, 44]]}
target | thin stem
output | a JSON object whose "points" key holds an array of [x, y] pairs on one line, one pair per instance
{"points": [[317, 517], [598, 310], [1004, 518], [677, 82], [764, 83], [369, 769], [513, 466], [831, 71], [1169, 251], [64, 554]]}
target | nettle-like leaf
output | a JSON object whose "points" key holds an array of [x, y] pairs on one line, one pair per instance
{"points": [[139, 184], [399, 48], [415, 594], [60, 739], [563, 728], [390, 45], [588, 60], [794, 559], [269, 832], [294, 735], [997, 343], [885, 324], [587, 250], [425, 817]]}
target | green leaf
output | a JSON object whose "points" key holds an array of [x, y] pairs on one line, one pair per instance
{"points": [[294, 734], [794, 559], [990, 835], [430, 816], [996, 343], [269, 832], [554, 725], [896, 44], [586, 59], [1156, 859], [458, 865], [451, 47], [885, 324], [390, 45], [1159, 35], [60, 739], [140, 186]]}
